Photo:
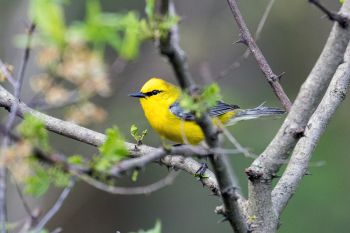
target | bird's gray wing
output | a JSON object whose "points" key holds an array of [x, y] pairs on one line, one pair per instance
{"points": [[176, 109], [219, 109]]}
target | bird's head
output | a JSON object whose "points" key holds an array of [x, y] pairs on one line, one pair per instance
{"points": [[157, 91]]}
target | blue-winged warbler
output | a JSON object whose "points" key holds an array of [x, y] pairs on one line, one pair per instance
{"points": [[160, 103]]}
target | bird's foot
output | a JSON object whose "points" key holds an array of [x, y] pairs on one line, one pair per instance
{"points": [[200, 173]]}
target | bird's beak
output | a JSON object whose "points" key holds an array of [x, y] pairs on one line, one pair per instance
{"points": [[138, 95]]}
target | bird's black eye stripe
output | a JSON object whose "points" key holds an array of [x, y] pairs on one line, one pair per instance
{"points": [[154, 92]]}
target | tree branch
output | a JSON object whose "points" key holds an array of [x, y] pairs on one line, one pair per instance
{"points": [[298, 165], [139, 190], [229, 189], [9, 124], [58, 204], [246, 38], [170, 48], [263, 169], [343, 21], [93, 138]]}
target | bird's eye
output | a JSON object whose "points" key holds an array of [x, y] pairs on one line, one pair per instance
{"points": [[154, 92]]}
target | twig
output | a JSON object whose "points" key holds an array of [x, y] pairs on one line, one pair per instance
{"points": [[7, 74], [170, 48], [317, 124], [343, 21], [140, 190], [3, 206], [135, 163], [247, 38], [10, 121], [58, 204], [24, 201], [246, 53], [229, 189]]}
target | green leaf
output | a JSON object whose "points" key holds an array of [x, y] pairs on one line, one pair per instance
{"points": [[49, 18], [134, 176], [58, 177], [341, 1], [211, 94], [133, 130], [156, 229], [34, 130], [131, 41], [150, 4], [75, 160], [134, 133], [37, 184], [198, 104], [111, 151]]}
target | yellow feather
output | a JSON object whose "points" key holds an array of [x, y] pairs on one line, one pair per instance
{"points": [[168, 125]]}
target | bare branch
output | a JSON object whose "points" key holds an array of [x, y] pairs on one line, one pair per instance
{"points": [[299, 163], [170, 48], [247, 38], [264, 168], [246, 53], [343, 21], [58, 204], [307, 100], [140, 190]]}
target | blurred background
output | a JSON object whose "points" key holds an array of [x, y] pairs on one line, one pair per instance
{"points": [[292, 39]]}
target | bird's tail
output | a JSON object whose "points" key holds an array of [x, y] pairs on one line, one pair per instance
{"points": [[257, 112]]}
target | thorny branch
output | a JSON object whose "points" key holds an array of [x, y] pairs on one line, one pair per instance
{"points": [[246, 53], [263, 169], [246, 38], [229, 188], [299, 162], [333, 16]]}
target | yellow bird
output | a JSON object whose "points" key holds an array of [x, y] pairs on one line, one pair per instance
{"points": [[160, 103]]}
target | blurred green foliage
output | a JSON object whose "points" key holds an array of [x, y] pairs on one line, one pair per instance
{"points": [[111, 151], [124, 32], [39, 182], [156, 229], [34, 130], [201, 103]]}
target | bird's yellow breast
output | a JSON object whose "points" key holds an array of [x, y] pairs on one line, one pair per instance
{"points": [[172, 127]]}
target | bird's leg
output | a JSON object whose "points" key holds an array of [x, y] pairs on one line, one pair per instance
{"points": [[201, 170]]}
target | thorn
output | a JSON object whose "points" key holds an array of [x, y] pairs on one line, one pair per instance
{"points": [[308, 173], [279, 77], [342, 21], [223, 220], [241, 40], [273, 176], [238, 42], [136, 148]]}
